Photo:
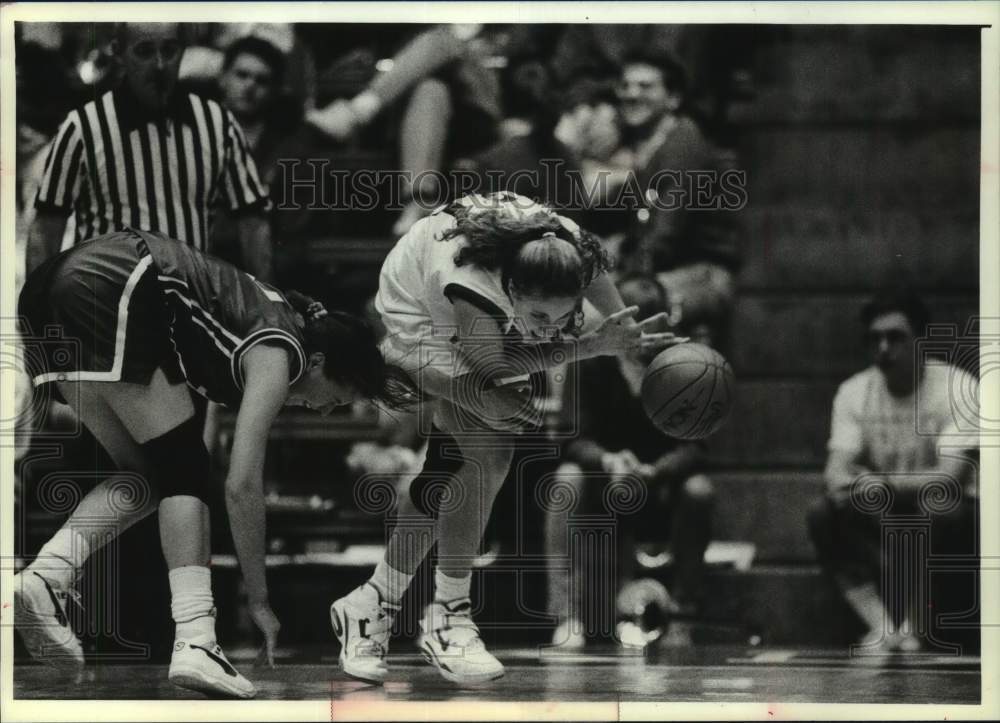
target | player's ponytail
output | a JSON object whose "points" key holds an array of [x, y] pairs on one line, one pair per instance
{"points": [[535, 253], [352, 354]]}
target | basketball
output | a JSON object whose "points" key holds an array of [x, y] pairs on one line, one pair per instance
{"points": [[687, 391]]}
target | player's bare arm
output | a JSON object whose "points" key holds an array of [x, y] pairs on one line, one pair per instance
{"points": [[486, 354], [255, 240], [266, 372], [842, 468], [44, 238]]}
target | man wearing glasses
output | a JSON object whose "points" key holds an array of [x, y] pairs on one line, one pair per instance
{"points": [[148, 156], [904, 431]]}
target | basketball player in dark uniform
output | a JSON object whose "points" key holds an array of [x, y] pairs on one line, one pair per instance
{"points": [[120, 328]]}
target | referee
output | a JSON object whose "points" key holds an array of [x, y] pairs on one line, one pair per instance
{"points": [[147, 156]]}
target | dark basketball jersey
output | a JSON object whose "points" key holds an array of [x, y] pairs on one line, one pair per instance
{"points": [[220, 312]]}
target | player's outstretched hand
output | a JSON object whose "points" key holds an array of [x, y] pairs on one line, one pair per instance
{"points": [[620, 333], [267, 622], [653, 339]]}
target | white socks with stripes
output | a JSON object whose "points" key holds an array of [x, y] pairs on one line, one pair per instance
{"points": [[191, 602]]}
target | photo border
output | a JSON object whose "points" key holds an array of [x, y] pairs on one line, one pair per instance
{"points": [[908, 13]]}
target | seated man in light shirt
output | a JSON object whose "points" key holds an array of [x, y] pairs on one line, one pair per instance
{"points": [[904, 430]]}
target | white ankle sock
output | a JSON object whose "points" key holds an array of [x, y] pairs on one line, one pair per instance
{"points": [[865, 601], [191, 603], [448, 588], [390, 582], [61, 558]]}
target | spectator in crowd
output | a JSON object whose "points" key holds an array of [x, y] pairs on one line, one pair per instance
{"points": [[252, 76], [616, 443], [250, 86], [205, 58], [452, 109], [546, 161], [252, 83], [691, 248], [599, 51], [896, 425], [46, 89], [148, 156]]}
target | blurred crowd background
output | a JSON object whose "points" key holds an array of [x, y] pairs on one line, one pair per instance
{"points": [[856, 157]]}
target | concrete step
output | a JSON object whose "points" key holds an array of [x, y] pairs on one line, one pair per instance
{"points": [[788, 604], [816, 335], [909, 73], [782, 604], [768, 509], [825, 246], [785, 605], [863, 168], [776, 424]]}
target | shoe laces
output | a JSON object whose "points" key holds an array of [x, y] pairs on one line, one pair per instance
{"points": [[460, 629], [371, 647]]}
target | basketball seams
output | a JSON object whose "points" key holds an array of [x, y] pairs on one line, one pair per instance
{"points": [[717, 393], [651, 377], [708, 401]]}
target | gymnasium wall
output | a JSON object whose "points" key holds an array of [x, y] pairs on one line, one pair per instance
{"points": [[862, 152]]}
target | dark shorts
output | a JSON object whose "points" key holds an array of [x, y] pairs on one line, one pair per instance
{"points": [[96, 313]]}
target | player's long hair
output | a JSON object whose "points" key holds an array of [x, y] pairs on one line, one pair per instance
{"points": [[353, 356], [535, 254]]}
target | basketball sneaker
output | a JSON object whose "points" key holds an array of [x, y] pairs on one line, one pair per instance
{"points": [[450, 641], [362, 622], [40, 618], [199, 664], [879, 642], [908, 643], [569, 635]]}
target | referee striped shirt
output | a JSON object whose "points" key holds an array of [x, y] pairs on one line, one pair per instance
{"points": [[114, 165]]}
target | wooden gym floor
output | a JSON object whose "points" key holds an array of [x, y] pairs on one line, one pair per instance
{"points": [[705, 674]]}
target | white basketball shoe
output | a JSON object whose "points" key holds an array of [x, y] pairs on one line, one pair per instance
{"points": [[40, 618], [199, 664], [450, 642], [362, 622]]}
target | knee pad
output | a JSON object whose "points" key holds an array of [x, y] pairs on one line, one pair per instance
{"points": [[443, 460], [179, 463]]}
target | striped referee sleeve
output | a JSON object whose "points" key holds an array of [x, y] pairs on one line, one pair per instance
{"points": [[64, 169], [242, 186]]}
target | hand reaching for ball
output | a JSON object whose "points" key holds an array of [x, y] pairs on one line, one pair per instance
{"points": [[620, 333]]}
